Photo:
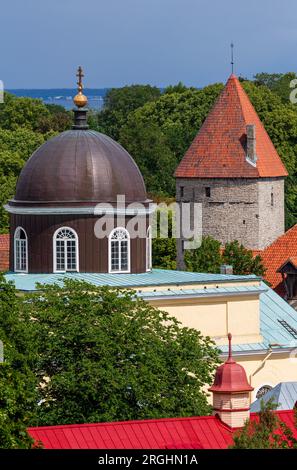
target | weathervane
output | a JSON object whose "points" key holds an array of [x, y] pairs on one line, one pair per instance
{"points": [[80, 100], [232, 57]]}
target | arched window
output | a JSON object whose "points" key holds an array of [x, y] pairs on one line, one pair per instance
{"points": [[262, 391], [20, 251], [149, 249], [119, 250], [65, 250]]}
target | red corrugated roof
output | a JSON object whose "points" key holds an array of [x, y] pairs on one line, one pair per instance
{"points": [[218, 150], [203, 432], [275, 255], [4, 252]]}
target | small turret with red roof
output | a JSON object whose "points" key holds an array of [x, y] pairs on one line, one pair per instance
{"points": [[231, 392]]}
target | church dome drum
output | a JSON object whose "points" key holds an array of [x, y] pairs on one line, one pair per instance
{"points": [[54, 213]]}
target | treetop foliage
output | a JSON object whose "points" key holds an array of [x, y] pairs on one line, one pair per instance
{"points": [[266, 432], [78, 354]]}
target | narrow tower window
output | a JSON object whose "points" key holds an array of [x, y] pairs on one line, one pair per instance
{"points": [[149, 249], [272, 199], [207, 191], [119, 251], [20, 251], [65, 250], [181, 191]]}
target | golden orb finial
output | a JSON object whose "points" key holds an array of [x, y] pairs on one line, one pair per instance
{"points": [[80, 100]]}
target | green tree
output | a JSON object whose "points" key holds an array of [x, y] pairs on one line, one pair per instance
{"points": [[279, 83], [119, 102], [16, 147], [149, 147], [165, 128], [58, 120], [242, 259], [179, 88], [7, 185], [21, 112], [18, 385], [21, 141], [205, 259], [10, 166], [266, 432], [111, 356], [164, 247]]}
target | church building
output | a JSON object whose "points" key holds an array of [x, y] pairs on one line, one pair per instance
{"points": [[63, 189]]}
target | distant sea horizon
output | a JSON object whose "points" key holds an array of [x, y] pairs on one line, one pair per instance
{"points": [[63, 96]]}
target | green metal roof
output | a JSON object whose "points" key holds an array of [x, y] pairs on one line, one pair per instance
{"points": [[206, 292], [156, 277]]}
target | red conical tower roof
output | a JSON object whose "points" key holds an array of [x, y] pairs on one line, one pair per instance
{"points": [[230, 376], [219, 149]]}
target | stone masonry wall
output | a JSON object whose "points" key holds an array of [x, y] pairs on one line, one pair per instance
{"points": [[236, 209], [271, 210]]}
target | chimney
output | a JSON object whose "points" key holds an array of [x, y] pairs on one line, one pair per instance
{"points": [[226, 269], [251, 156], [231, 392]]}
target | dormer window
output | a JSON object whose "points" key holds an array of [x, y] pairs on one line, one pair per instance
{"points": [[65, 250], [20, 251], [251, 156]]}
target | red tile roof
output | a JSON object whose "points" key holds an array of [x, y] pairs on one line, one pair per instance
{"points": [[275, 255], [218, 150], [4, 252], [203, 432]]}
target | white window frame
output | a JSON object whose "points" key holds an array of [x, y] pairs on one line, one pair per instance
{"points": [[55, 270], [149, 258], [15, 238], [128, 270]]}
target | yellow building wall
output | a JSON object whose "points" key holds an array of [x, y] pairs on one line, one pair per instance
{"points": [[278, 368], [215, 317]]}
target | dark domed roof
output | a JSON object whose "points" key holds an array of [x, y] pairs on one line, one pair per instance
{"points": [[79, 167]]}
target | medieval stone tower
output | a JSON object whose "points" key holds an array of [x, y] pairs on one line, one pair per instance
{"points": [[233, 169]]}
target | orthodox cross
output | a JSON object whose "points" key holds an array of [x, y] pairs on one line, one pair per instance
{"points": [[80, 75]]}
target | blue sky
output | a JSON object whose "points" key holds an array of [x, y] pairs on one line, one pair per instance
{"points": [[159, 42]]}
